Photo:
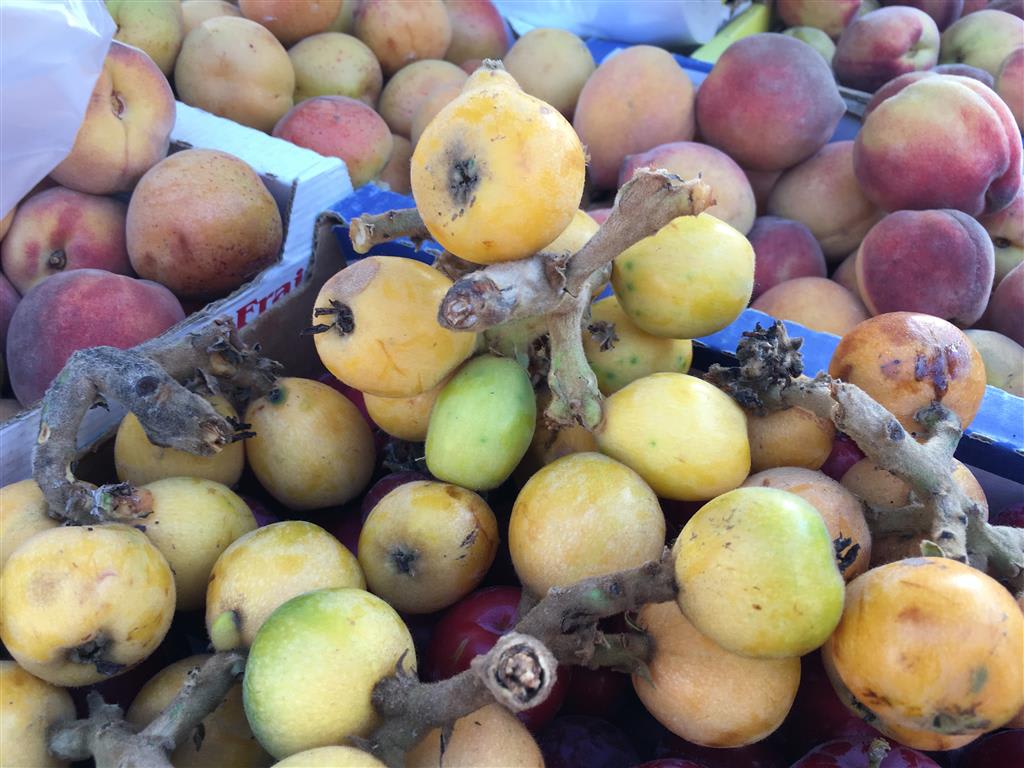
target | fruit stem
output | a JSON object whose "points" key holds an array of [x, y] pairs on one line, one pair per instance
{"points": [[373, 229], [877, 751]]}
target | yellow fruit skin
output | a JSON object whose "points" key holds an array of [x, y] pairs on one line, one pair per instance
{"points": [[313, 665], [685, 437], [575, 236], [192, 522], [403, 417], [497, 174], [312, 447], [791, 438], [705, 694], [331, 757], [580, 516], [634, 354], [691, 278], [22, 516], [73, 585], [269, 566], [138, 461], [397, 347], [931, 647], [491, 737], [426, 544], [227, 739], [757, 574], [28, 707]]}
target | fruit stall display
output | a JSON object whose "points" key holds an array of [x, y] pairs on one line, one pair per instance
{"points": [[519, 516]]}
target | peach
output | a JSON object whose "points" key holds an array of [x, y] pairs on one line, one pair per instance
{"points": [[292, 20], [937, 262], [964, 70], [1006, 228], [126, 129], [943, 12], [202, 223], [335, 64], [60, 230], [762, 182], [1004, 360], [338, 126], [478, 31], [1006, 309], [396, 173], [909, 152], [659, 109], [438, 99], [410, 87], [9, 299], [831, 17], [791, 438], [908, 361], [983, 39], [823, 194], [400, 32], [839, 507], [846, 275], [79, 309], [893, 87], [551, 64], [815, 302], [783, 250], [1009, 84], [195, 12], [763, 136], [734, 197], [155, 27], [884, 44], [236, 68], [815, 38]]}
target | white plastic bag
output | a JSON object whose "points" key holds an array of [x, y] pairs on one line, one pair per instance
{"points": [[655, 22], [51, 55]]}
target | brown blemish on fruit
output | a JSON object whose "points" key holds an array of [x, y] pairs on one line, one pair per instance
{"points": [[464, 172], [939, 367]]}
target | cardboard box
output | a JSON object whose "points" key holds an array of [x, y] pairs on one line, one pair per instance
{"points": [[303, 184]]}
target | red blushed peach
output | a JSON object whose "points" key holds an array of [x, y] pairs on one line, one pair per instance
{"points": [[964, 70], [60, 230], [783, 250], [884, 44], [909, 153], [815, 302], [478, 31], [1006, 228], [762, 182], [404, 92], [335, 64], [1006, 309], [202, 223], [763, 136], [1010, 84], [438, 99], [831, 17], [936, 262], [983, 39], [338, 126], [126, 129], [893, 87], [846, 275], [400, 32], [396, 172], [734, 198], [823, 194], [908, 361], [943, 12], [79, 309], [658, 110], [9, 299], [553, 65], [291, 20]]}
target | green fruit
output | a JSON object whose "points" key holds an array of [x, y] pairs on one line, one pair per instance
{"points": [[757, 573], [313, 665], [482, 423]]}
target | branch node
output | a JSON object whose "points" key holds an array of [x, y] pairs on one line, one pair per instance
{"points": [[519, 672]]}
